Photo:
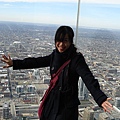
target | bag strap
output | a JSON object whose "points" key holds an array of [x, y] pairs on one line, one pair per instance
{"points": [[52, 85], [61, 68]]}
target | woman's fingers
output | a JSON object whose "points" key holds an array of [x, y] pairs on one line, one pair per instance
{"points": [[5, 57], [6, 66], [107, 106], [7, 60], [9, 57]]}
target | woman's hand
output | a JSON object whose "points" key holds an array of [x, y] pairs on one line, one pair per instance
{"points": [[107, 106], [7, 60]]}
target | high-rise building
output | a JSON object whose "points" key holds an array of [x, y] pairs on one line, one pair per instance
{"points": [[6, 113], [31, 88], [88, 114], [103, 116], [83, 92], [117, 102], [20, 88]]}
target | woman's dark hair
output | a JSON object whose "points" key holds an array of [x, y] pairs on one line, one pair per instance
{"points": [[62, 31]]}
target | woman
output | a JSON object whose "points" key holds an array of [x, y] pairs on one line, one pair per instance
{"points": [[62, 102]]}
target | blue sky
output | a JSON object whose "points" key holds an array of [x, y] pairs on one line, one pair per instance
{"points": [[93, 13]]}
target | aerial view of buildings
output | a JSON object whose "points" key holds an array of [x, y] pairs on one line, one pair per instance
{"points": [[22, 90]]}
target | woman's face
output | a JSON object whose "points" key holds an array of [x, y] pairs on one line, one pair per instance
{"points": [[64, 45]]}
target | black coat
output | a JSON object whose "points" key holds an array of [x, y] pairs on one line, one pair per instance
{"points": [[62, 103]]}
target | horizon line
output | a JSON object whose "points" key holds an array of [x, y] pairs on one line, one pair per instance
{"points": [[87, 27]]}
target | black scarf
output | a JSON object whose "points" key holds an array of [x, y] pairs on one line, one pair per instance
{"points": [[60, 58]]}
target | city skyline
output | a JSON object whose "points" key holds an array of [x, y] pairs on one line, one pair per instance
{"points": [[100, 14], [27, 86]]}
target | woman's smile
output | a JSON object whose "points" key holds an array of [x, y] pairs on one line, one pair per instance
{"points": [[63, 45]]}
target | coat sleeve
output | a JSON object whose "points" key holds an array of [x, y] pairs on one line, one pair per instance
{"points": [[30, 63], [89, 80]]}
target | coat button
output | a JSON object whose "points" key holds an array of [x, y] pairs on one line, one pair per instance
{"points": [[52, 68], [59, 88]]}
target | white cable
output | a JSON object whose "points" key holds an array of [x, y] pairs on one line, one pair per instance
{"points": [[78, 13]]}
